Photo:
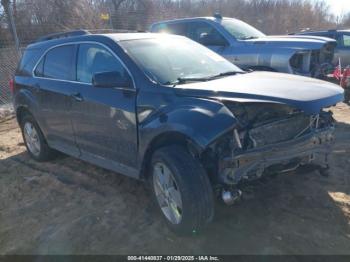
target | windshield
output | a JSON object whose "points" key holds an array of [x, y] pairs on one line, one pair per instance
{"points": [[241, 30], [169, 59]]}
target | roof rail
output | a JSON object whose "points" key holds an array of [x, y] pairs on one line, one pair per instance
{"points": [[83, 32], [108, 31], [62, 35]]}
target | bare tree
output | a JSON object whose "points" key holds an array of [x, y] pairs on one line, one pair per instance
{"points": [[38, 17]]}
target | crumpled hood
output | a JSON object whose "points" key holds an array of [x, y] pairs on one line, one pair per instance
{"points": [[292, 41], [307, 94]]}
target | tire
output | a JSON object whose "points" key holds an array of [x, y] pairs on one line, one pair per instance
{"points": [[191, 183], [43, 152]]}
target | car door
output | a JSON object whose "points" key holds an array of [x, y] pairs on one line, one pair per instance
{"points": [[52, 81], [104, 118]]}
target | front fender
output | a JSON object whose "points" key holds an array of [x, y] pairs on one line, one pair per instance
{"points": [[263, 56], [201, 121]]}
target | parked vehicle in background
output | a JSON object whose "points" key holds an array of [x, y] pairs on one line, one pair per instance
{"points": [[167, 110], [342, 51], [249, 48]]}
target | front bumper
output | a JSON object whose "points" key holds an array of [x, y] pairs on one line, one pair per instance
{"points": [[252, 164]]}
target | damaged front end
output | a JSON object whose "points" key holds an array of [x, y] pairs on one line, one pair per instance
{"points": [[315, 63], [270, 138]]}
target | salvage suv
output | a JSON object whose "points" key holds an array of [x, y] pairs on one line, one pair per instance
{"points": [[247, 47], [164, 109]]}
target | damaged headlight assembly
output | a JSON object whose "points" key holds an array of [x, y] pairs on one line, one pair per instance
{"points": [[271, 138]]}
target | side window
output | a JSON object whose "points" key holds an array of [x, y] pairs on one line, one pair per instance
{"points": [[39, 70], [346, 40], [93, 58], [58, 63], [339, 39], [206, 34], [178, 29], [28, 62], [175, 28]]}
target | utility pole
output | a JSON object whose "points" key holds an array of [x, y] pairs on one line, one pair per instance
{"points": [[11, 21]]}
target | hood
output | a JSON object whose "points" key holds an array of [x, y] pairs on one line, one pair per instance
{"points": [[307, 37], [291, 41], [307, 94]]}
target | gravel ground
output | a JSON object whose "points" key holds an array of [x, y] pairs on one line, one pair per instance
{"points": [[70, 207]]}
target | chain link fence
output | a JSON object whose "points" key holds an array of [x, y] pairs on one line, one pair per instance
{"points": [[9, 58]]}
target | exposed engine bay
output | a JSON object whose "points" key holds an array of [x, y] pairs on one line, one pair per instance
{"points": [[271, 138]]}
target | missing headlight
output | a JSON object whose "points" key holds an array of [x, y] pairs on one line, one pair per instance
{"points": [[300, 62]]}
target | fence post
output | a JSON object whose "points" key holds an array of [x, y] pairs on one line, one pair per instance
{"points": [[13, 25]]}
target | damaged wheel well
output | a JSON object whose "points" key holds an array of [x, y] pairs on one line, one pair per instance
{"points": [[167, 139]]}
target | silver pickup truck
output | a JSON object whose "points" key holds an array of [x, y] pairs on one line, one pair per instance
{"points": [[342, 37], [249, 48]]}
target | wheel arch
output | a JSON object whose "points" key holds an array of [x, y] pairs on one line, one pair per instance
{"points": [[21, 111], [168, 138]]}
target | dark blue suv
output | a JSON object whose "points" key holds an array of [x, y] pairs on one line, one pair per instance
{"points": [[167, 110]]}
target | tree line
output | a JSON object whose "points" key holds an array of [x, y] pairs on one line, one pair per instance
{"points": [[34, 18]]}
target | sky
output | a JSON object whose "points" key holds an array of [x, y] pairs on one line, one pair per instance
{"points": [[339, 7]]}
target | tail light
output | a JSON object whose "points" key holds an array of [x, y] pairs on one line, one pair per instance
{"points": [[12, 86]]}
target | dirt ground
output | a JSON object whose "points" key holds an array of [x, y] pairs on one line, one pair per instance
{"points": [[70, 207]]}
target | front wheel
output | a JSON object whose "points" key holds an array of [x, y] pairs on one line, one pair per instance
{"points": [[182, 190]]}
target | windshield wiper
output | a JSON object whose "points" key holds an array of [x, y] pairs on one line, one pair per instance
{"points": [[184, 80], [228, 73], [248, 37]]}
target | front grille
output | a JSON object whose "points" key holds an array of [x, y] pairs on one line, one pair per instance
{"points": [[279, 131], [251, 115]]}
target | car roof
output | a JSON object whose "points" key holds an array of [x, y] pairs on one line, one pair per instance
{"points": [[205, 18], [116, 37], [132, 36]]}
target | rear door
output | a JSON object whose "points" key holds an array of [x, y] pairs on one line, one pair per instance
{"points": [[104, 118], [53, 77]]}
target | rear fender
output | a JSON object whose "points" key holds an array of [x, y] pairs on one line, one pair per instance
{"points": [[24, 99]]}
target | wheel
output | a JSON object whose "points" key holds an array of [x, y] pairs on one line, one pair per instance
{"points": [[182, 190], [34, 139]]}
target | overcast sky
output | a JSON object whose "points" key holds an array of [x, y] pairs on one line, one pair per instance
{"points": [[339, 6]]}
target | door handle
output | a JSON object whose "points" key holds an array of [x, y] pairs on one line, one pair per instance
{"points": [[77, 97]]}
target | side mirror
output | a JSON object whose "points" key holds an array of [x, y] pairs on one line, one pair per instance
{"points": [[110, 79], [211, 40]]}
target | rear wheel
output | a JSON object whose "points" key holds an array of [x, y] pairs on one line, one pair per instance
{"points": [[182, 190], [34, 140]]}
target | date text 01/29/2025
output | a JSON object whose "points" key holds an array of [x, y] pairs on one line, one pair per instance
{"points": [[173, 258]]}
